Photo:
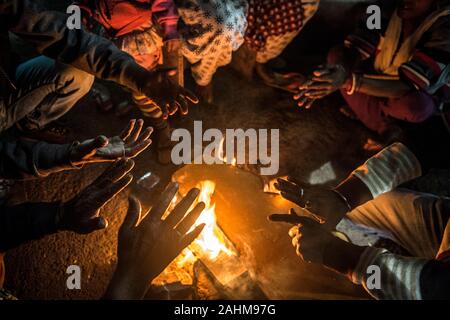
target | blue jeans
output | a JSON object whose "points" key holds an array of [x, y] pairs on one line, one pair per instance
{"points": [[46, 90]]}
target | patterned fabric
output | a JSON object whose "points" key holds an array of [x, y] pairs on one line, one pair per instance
{"points": [[275, 45], [143, 43], [388, 169], [211, 30], [272, 18]]}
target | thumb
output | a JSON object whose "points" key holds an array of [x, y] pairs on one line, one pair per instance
{"points": [[133, 214], [89, 147], [94, 224]]}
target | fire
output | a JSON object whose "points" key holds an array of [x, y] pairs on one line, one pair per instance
{"points": [[211, 243], [220, 154]]}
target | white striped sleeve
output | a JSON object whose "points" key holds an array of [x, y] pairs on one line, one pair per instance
{"points": [[398, 277], [388, 169]]}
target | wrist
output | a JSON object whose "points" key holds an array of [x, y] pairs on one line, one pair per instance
{"points": [[64, 211], [354, 192], [126, 284], [342, 257], [74, 163]]}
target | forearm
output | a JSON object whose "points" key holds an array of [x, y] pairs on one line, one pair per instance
{"points": [[22, 159], [123, 286], [26, 222], [349, 58], [382, 173], [342, 257], [388, 276], [383, 88]]}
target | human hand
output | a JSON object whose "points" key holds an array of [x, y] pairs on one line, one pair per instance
{"points": [[101, 149], [309, 238], [169, 95], [81, 214], [313, 243], [326, 203], [323, 82], [148, 244]]}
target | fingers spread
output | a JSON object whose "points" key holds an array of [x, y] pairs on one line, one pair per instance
{"points": [[146, 134], [132, 152], [158, 211], [191, 97], [187, 239], [114, 173], [135, 132], [186, 224], [133, 214], [182, 207], [126, 133], [102, 196], [184, 106]]}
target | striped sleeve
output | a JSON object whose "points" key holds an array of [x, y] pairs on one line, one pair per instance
{"points": [[388, 169], [429, 68], [426, 73], [387, 276], [147, 106]]}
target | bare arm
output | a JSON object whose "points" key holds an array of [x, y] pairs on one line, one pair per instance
{"points": [[383, 88]]}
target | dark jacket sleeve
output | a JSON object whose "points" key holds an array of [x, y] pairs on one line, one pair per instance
{"points": [[48, 33], [26, 222], [24, 159]]}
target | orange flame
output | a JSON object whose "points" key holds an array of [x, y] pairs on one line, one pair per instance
{"points": [[211, 242]]}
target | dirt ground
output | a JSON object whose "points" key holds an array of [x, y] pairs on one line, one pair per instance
{"points": [[309, 140]]}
